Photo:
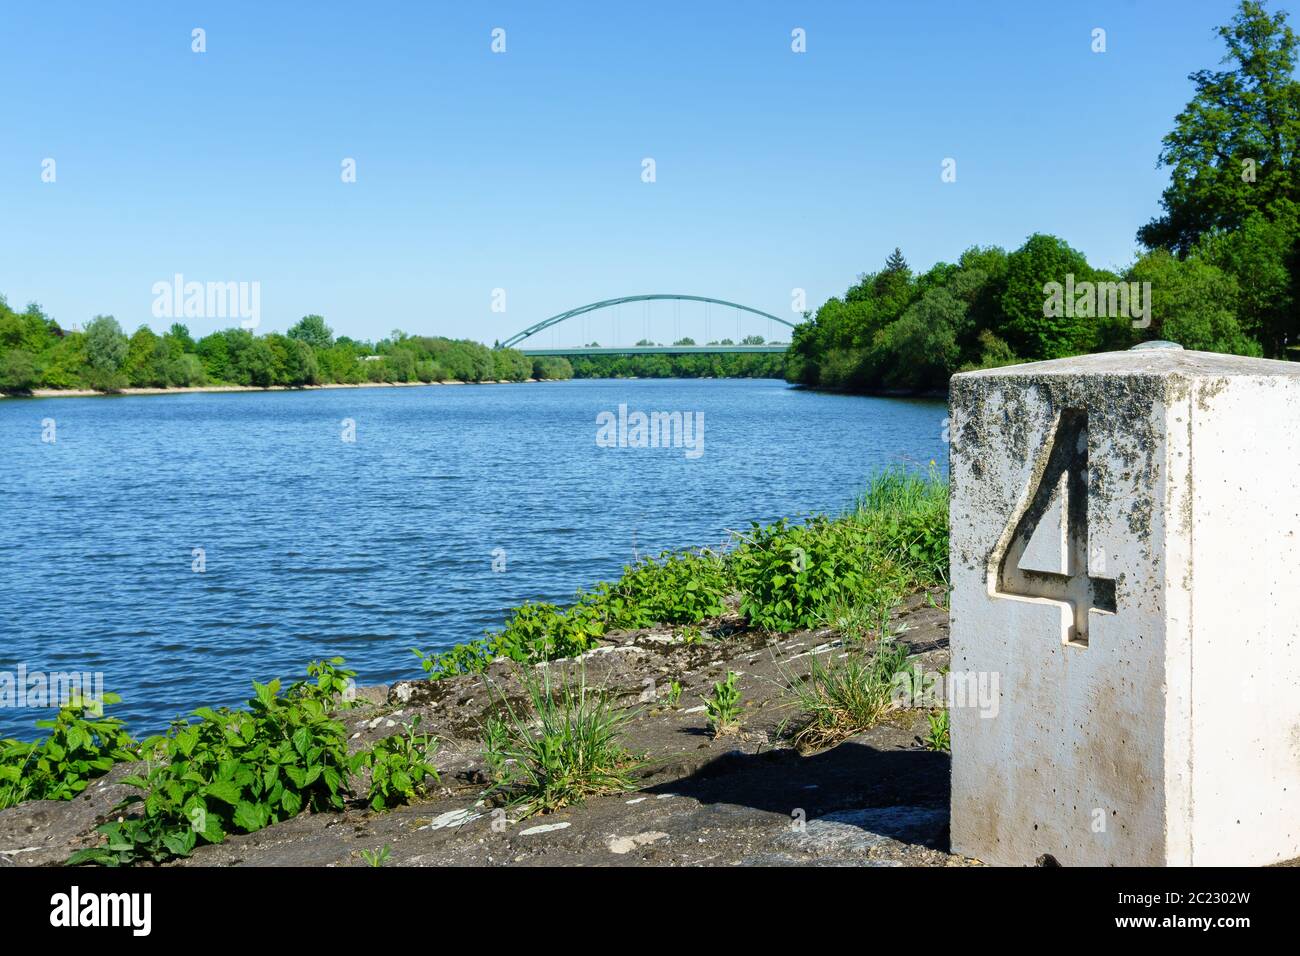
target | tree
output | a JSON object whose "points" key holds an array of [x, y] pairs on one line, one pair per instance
{"points": [[1193, 303], [1261, 255], [180, 334], [106, 349], [146, 360], [18, 372], [920, 351], [1235, 148], [313, 330], [257, 363], [1026, 324], [896, 262]]}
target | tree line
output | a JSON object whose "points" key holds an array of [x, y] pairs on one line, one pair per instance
{"points": [[689, 365], [35, 352], [1219, 270]]}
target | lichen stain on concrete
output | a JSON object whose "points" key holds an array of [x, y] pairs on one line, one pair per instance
{"points": [[1020, 412]]}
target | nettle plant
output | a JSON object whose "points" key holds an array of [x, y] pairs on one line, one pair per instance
{"points": [[681, 588], [399, 766], [788, 574], [81, 745], [237, 771], [232, 771]]}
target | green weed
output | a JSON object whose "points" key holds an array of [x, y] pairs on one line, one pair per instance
{"points": [[399, 766], [564, 749], [723, 707], [937, 736], [80, 746], [377, 858], [841, 698]]}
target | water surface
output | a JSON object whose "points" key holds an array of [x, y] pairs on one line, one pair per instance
{"points": [[314, 546]]}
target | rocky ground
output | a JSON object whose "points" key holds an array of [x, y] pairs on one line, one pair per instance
{"points": [[880, 798]]}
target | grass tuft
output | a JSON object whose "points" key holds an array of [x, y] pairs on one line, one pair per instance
{"points": [[564, 749], [841, 698]]}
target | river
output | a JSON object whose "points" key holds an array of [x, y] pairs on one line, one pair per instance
{"points": [[182, 545]]}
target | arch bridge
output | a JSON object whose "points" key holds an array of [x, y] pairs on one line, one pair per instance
{"points": [[515, 340]]}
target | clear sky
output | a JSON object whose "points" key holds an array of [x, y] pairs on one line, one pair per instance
{"points": [[523, 170]]}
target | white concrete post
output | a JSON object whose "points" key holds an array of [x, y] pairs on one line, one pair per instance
{"points": [[1126, 561]]}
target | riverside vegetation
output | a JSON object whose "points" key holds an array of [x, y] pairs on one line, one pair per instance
{"points": [[1221, 264], [35, 352], [240, 770]]}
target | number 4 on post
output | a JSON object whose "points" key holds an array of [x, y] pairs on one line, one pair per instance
{"points": [[1064, 469]]}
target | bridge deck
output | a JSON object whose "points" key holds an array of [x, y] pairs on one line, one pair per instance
{"points": [[658, 350]]}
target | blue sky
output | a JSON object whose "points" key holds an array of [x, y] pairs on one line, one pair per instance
{"points": [[523, 170]]}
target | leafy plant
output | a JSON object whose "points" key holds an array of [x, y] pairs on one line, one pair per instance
{"points": [[495, 734], [938, 736], [565, 749], [80, 746], [674, 693], [231, 771], [841, 698], [399, 765], [377, 858], [680, 588], [723, 707], [334, 686]]}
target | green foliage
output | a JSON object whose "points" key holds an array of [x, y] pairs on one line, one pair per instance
{"points": [[564, 749], [18, 371], [1250, 111], [844, 697], [905, 514], [937, 735], [312, 330], [787, 575], [1263, 256], [1194, 303], [896, 539], [723, 707], [1025, 326], [399, 766], [552, 367], [674, 693], [696, 365], [333, 685], [232, 771], [377, 858], [35, 353], [496, 733], [106, 351], [681, 588], [81, 745]]}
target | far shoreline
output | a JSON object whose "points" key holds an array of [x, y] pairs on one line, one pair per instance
{"points": [[91, 393]]}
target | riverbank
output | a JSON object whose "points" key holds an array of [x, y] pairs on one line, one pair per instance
{"points": [[741, 703], [90, 393], [748, 796]]}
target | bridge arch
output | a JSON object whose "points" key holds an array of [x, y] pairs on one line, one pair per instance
{"points": [[518, 337]]}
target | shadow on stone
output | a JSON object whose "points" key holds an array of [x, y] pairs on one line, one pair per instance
{"points": [[849, 793]]}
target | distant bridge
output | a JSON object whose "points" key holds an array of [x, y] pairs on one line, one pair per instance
{"points": [[658, 350], [515, 340]]}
